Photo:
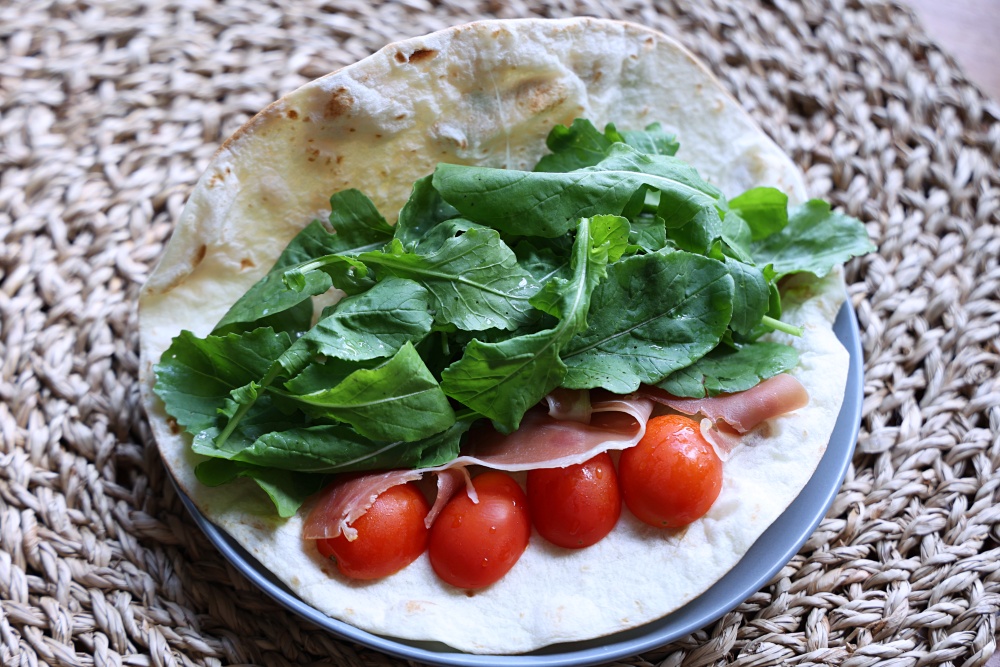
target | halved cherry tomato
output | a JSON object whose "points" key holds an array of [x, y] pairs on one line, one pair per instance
{"points": [[475, 544], [672, 476], [391, 535], [575, 506]]}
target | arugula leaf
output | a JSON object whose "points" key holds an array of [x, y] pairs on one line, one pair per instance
{"points": [[633, 338], [398, 400], [737, 237], [439, 234], [273, 302], [652, 140], [196, 376], [815, 240], [359, 225], [541, 260], [422, 212], [582, 145], [287, 490], [727, 370], [547, 204], [474, 278], [323, 373], [503, 380], [374, 324], [577, 146], [610, 234], [338, 448], [267, 303], [765, 211], [699, 233], [648, 232], [750, 296], [250, 414], [344, 273]]}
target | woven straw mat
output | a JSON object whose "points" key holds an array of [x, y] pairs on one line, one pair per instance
{"points": [[110, 111]]}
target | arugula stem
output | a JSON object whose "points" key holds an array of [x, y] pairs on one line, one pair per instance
{"points": [[467, 413], [778, 325], [294, 276], [245, 407]]}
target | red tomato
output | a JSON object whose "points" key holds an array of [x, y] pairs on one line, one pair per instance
{"points": [[391, 535], [474, 544], [576, 506], [672, 476]]}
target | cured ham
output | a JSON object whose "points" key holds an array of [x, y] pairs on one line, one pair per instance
{"points": [[341, 504], [575, 427], [544, 442], [540, 442], [744, 410], [723, 440], [449, 481]]}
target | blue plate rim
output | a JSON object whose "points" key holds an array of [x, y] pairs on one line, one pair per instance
{"points": [[769, 554]]}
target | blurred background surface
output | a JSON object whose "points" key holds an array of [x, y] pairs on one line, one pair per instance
{"points": [[970, 31]]}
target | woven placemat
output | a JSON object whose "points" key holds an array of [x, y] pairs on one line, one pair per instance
{"points": [[109, 112]]}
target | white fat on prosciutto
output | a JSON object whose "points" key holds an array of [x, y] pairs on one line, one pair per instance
{"points": [[540, 442]]}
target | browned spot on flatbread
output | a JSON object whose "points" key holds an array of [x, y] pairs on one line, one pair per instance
{"points": [[421, 55], [339, 104], [246, 263], [292, 113], [199, 256], [216, 179], [539, 95]]}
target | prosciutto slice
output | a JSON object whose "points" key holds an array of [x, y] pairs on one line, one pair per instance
{"points": [[544, 442], [744, 410], [540, 442], [339, 505], [449, 481]]}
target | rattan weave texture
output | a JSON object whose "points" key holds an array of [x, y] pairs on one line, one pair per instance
{"points": [[108, 113]]}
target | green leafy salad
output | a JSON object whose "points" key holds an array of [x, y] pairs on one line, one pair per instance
{"points": [[611, 265]]}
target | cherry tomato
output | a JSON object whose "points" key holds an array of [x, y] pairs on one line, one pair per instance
{"points": [[576, 506], [475, 544], [673, 475], [391, 535]]}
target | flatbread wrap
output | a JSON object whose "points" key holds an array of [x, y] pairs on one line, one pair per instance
{"points": [[486, 94]]}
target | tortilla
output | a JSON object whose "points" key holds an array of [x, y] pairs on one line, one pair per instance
{"points": [[487, 94]]}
